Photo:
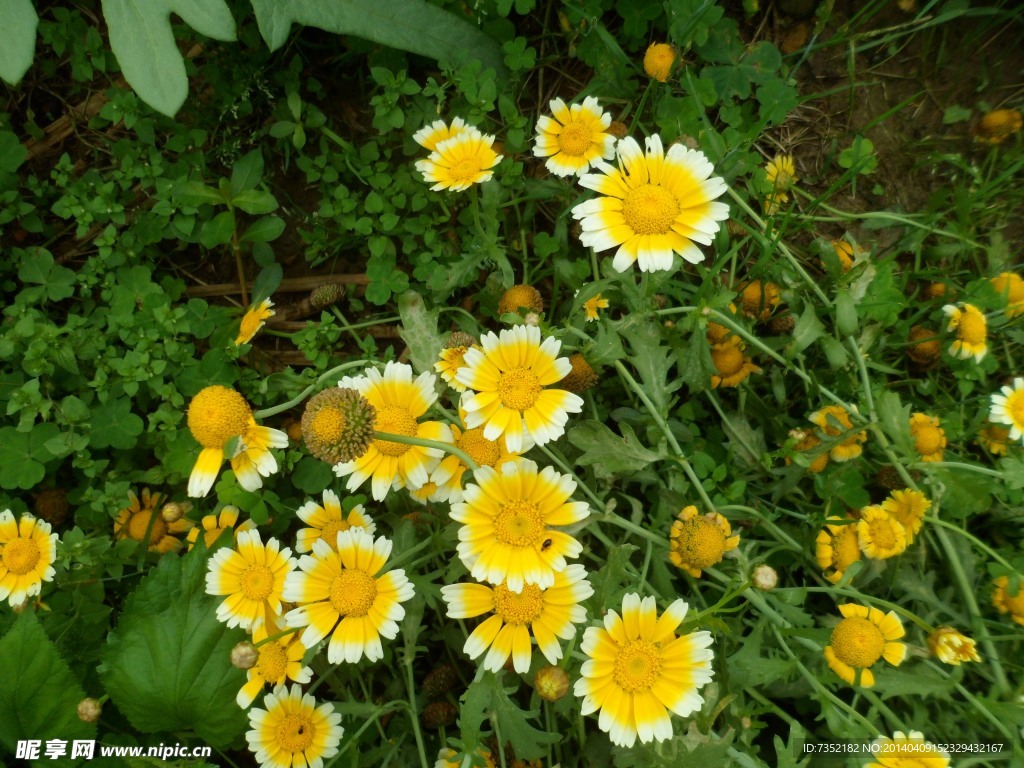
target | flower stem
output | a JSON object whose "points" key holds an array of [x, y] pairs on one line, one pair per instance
{"points": [[425, 443], [411, 689], [276, 409], [278, 636], [663, 426]]}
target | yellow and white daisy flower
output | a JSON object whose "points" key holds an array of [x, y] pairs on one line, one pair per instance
{"points": [[343, 593], [573, 137], [216, 416], [254, 319], [906, 751], [971, 331], [1008, 408], [328, 521], [460, 162], [293, 732], [27, 552], [837, 547], [507, 518], [212, 526], [429, 136], [447, 477], [652, 205], [450, 358], [1010, 286], [548, 614], [252, 576], [510, 377], [133, 522], [279, 660], [639, 671], [864, 636], [993, 438], [400, 402]]}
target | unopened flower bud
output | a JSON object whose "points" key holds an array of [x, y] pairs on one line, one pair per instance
{"points": [[89, 710], [531, 318], [327, 294], [173, 511], [244, 655], [551, 683], [951, 647], [765, 577]]}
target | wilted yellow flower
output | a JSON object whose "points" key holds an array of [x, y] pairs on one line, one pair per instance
{"points": [[929, 437], [1007, 603], [732, 365], [1011, 286], [997, 126], [993, 438], [759, 299], [951, 647], [593, 305], [253, 320], [924, 347], [834, 420]]}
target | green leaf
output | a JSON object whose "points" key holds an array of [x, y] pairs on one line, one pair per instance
{"points": [[22, 455], [143, 42], [859, 156], [312, 475], [246, 173], [12, 151], [600, 445], [419, 331], [955, 114], [263, 230], [40, 695], [408, 25], [846, 313], [895, 420], [267, 281], [807, 330], [1012, 468], [38, 267], [218, 230], [487, 698], [255, 202], [166, 665], [115, 426], [195, 193], [18, 20], [650, 361]]}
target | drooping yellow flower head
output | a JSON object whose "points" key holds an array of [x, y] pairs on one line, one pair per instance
{"points": [[993, 438], [924, 348], [909, 507], [429, 136], [346, 594], [971, 331], [837, 548], [212, 526], [254, 319], [639, 671], [952, 647], [460, 162], [1008, 408], [293, 732], [508, 532], [780, 172], [546, 614], [998, 125], [906, 751], [328, 521], [1010, 286], [732, 365], [929, 437], [277, 662], [252, 575], [451, 358], [27, 553], [581, 375], [519, 298], [217, 415], [699, 541], [864, 636], [759, 299], [653, 205], [1007, 603], [573, 137], [834, 422], [881, 535], [134, 521], [658, 61]]}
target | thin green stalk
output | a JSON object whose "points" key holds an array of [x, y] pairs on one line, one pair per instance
{"points": [[680, 457], [931, 520], [410, 687], [276, 637], [621, 522], [425, 443], [276, 409], [926, 465]]}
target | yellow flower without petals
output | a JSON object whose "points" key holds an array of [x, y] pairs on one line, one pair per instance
{"points": [[864, 636], [952, 647], [254, 319], [658, 61], [998, 125]]}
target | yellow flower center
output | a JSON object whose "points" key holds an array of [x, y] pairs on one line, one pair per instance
{"points": [[20, 556], [882, 533], [637, 666], [257, 582], [453, 359], [845, 549], [524, 608], [650, 209], [398, 421], [466, 169], [216, 415], [700, 542], [483, 451], [929, 439], [728, 360], [971, 327], [330, 531], [1015, 408], [858, 642], [519, 524], [295, 732], [519, 389], [328, 425], [273, 662], [353, 592], [575, 139], [138, 524]]}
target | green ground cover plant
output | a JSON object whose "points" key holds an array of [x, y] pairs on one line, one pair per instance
{"points": [[511, 384]]}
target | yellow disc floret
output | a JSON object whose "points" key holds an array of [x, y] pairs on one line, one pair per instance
{"points": [[20, 556], [216, 415], [638, 666], [518, 609], [650, 209], [483, 451], [658, 61], [858, 642], [519, 389], [395, 420], [353, 592]]}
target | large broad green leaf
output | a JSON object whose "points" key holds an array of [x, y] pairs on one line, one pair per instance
{"points": [[143, 41], [409, 25], [39, 696], [167, 664], [18, 20]]}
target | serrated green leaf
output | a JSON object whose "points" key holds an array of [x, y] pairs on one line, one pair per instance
{"points": [[40, 695], [166, 664], [408, 25], [1012, 468], [651, 362], [115, 426], [143, 42], [419, 331], [487, 698], [600, 445], [18, 20]]}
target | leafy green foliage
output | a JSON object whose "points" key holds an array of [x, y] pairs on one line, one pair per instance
{"points": [[18, 19], [487, 698]]}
